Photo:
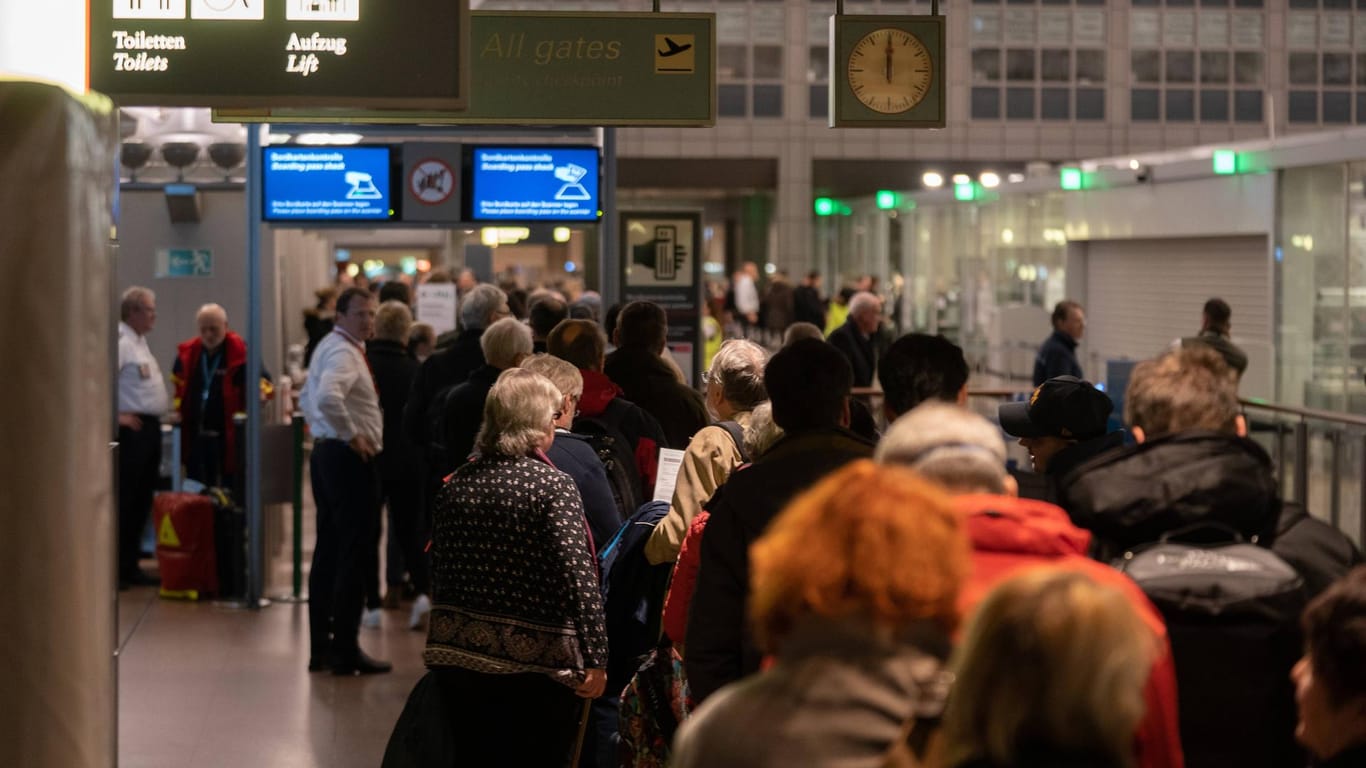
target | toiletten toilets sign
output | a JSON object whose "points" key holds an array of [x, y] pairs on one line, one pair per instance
{"points": [[260, 53]]}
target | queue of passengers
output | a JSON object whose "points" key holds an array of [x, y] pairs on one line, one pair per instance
{"points": [[831, 595]]}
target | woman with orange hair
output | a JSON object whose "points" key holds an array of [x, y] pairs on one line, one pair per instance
{"points": [[854, 588]]}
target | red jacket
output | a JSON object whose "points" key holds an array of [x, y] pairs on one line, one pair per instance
{"points": [[187, 362], [684, 579], [1009, 535]]}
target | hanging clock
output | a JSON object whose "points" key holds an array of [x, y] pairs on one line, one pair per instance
{"points": [[887, 72]]}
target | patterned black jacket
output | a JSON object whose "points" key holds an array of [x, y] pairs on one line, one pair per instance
{"points": [[515, 587]]}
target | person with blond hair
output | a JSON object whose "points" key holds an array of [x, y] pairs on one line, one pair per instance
{"points": [[572, 454], [855, 590], [517, 623], [401, 466], [1049, 675]]}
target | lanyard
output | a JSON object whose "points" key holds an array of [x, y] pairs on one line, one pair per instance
{"points": [[208, 374]]}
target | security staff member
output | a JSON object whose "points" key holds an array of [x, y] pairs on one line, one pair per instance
{"points": [[142, 402]]}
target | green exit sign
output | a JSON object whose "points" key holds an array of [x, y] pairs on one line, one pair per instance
{"points": [[1225, 162]]}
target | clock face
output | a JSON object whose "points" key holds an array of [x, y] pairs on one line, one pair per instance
{"points": [[890, 71]]}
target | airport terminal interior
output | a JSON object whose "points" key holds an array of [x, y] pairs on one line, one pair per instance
{"points": [[1138, 157]]}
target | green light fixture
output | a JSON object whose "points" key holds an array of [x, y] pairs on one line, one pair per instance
{"points": [[825, 206], [1070, 179], [1225, 162]]}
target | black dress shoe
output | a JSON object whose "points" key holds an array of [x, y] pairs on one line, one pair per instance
{"points": [[360, 664]]}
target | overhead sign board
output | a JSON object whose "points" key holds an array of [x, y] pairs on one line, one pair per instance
{"points": [[359, 54], [519, 183], [565, 69]]}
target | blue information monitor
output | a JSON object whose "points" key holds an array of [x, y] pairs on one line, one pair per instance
{"points": [[533, 184], [328, 184]]}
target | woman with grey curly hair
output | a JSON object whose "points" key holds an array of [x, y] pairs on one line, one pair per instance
{"points": [[517, 622]]}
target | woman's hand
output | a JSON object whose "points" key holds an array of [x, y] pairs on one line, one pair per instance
{"points": [[594, 683]]}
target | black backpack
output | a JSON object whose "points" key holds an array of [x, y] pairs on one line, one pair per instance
{"points": [[1232, 613], [618, 460]]}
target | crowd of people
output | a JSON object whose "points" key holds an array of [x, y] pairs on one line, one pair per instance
{"points": [[814, 591]]}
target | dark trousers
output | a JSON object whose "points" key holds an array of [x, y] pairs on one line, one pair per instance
{"points": [[490, 716], [205, 458], [401, 484], [345, 490], [139, 470]]}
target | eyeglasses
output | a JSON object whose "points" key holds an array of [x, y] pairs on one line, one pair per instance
{"points": [[708, 377], [556, 416]]}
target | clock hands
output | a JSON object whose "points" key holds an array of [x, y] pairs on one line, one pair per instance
{"points": [[889, 57]]}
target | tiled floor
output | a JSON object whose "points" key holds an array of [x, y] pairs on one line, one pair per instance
{"points": [[207, 686]]}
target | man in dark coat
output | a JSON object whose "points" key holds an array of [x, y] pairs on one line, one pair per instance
{"points": [[1214, 333], [1058, 354], [808, 385], [807, 306], [646, 380], [450, 366], [1063, 424], [855, 338], [1194, 464]]}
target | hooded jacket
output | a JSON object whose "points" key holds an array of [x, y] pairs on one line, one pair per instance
{"points": [[602, 399], [1009, 535], [1135, 495]]}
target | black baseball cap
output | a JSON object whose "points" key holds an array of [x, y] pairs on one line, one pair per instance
{"points": [[1064, 406]]}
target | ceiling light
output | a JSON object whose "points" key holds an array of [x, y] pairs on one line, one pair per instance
{"points": [[932, 180], [990, 180], [325, 139], [961, 178]]}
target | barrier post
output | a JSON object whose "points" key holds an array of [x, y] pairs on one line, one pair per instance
{"points": [[298, 423], [1361, 497], [1302, 462], [1335, 477]]}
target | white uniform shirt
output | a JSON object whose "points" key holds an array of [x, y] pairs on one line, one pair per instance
{"points": [[339, 398], [142, 388], [746, 295]]}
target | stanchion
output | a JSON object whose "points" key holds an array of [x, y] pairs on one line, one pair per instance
{"points": [[297, 596], [247, 553]]}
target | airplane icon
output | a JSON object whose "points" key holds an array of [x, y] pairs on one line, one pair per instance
{"points": [[674, 48]]}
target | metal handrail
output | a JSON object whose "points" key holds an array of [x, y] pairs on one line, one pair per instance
{"points": [[1339, 428], [1306, 413]]}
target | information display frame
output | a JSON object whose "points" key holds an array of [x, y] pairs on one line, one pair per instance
{"points": [[567, 182], [360, 185]]}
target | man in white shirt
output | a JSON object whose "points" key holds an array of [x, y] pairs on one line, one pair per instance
{"points": [[142, 401], [747, 295], [341, 404]]}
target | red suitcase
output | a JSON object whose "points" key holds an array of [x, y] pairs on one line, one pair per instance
{"points": [[185, 549]]}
